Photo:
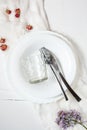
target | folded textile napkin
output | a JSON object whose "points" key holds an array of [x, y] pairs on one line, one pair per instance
{"points": [[13, 25]]}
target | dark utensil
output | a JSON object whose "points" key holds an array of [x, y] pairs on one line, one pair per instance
{"points": [[47, 60], [51, 60], [69, 88], [59, 83]]}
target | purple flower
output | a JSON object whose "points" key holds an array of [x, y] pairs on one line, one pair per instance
{"points": [[67, 119]]}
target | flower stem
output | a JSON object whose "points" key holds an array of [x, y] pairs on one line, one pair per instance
{"points": [[82, 125]]}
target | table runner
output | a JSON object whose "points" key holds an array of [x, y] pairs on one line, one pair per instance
{"points": [[33, 13]]}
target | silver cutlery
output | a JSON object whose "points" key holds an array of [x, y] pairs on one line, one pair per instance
{"points": [[52, 61], [59, 82], [48, 61]]}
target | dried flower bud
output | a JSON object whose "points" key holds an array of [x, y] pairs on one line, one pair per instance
{"points": [[17, 15], [2, 40], [17, 11], [8, 11], [29, 27], [3, 47]]}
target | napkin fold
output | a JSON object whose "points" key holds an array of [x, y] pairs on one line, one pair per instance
{"points": [[33, 13]]}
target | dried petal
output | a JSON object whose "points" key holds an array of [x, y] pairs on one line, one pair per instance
{"points": [[17, 15], [3, 47], [17, 11], [8, 11], [2, 40], [29, 27]]}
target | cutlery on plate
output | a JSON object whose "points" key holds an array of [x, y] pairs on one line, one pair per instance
{"points": [[51, 60], [59, 83], [46, 60]]}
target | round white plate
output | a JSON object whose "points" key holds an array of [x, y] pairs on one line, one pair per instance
{"points": [[49, 90]]}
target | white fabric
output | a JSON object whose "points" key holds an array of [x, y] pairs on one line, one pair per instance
{"points": [[12, 28]]}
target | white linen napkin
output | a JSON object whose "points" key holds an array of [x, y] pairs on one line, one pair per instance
{"points": [[11, 28], [32, 12]]}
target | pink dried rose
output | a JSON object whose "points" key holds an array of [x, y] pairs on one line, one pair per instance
{"points": [[8, 11], [3, 47], [29, 27], [17, 12], [2, 40]]}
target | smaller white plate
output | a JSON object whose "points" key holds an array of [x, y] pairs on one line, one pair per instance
{"points": [[49, 90]]}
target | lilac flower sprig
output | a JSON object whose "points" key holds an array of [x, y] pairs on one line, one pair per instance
{"points": [[70, 118]]}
